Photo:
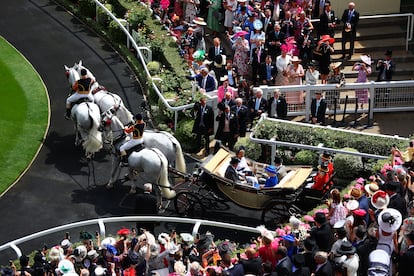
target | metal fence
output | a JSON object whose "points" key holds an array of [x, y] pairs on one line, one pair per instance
{"points": [[101, 223]]}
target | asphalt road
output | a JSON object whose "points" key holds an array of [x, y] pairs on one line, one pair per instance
{"points": [[60, 187]]}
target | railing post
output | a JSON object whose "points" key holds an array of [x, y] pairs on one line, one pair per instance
{"points": [[308, 100], [128, 41], [372, 92], [175, 120], [96, 13], [16, 249]]}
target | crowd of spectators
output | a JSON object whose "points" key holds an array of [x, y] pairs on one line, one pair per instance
{"points": [[368, 230]]}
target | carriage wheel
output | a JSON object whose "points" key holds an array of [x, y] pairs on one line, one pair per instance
{"points": [[188, 205], [275, 214]]}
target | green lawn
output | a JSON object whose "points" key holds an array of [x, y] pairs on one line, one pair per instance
{"points": [[24, 114]]}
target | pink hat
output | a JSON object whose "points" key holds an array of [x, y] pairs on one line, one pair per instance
{"points": [[360, 212]]}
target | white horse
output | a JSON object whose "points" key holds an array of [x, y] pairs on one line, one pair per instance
{"points": [[87, 118], [162, 140], [105, 99]]}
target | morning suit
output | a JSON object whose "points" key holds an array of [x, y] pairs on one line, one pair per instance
{"points": [[324, 20], [231, 173], [213, 52], [203, 125], [228, 138], [323, 237], [242, 115], [267, 73], [258, 57], [351, 17], [209, 85], [324, 270], [318, 112], [274, 37], [268, 24], [385, 70], [284, 267], [277, 108], [252, 106]]}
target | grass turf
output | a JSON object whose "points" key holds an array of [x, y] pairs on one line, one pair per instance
{"points": [[24, 109]]}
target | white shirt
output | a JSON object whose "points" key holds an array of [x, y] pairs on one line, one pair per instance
{"points": [[351, 264]]}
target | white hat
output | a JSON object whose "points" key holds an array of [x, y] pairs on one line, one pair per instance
{"points": [[188, 238], [80, 253], [99, 271], [380, 256], [65, 244], [224, 78], [389, 220], [92, 254], [56, 253], [265, 233], [163, 238], [107, 241], [371, 188], [380, 200], [352, 205], [366, 59], [339, 224], [66, 266]]}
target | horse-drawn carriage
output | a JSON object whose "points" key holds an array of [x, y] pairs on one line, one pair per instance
{"points": [[287, 198]]}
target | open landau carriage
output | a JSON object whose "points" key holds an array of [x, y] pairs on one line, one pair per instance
{"points": [[277, 204]]}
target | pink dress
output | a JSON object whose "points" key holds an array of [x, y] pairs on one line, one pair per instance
{"points": [[295, 97], [241, 56], [362, 94]]}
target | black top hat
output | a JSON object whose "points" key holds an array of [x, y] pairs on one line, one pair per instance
{"points": [[278, 160], [388, 52], [392, 186], [234, 160], [346, 248], [309, 244]]}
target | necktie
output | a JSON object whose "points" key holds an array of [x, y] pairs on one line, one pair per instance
{"points": [[268, 72], [217, 51], [349, 16], [317, 106], [237, 111], [258, 55], [257, 104]]}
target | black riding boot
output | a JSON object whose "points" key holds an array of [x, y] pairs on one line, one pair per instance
{"points": [[67, 114]]}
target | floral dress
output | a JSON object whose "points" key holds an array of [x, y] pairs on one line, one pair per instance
{"points": [[190, 10], [241, 56]]}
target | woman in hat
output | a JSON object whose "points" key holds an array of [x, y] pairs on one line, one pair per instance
{"points": [[364, 70], [295, 74], [351, 263], [337, 211], [325, 48], [190, 11], [311, 75], [272, 180], [282, 65], [241, 53], [257, 37], [321, 178]]}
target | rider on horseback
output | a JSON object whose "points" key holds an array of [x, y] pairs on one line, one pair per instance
{"points": [[83, 91], [137, 130]]}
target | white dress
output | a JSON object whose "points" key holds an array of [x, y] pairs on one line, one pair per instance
{"points": [[281, 65]]}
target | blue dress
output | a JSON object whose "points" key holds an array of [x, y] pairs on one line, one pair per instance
{"points": [[271, 182]]}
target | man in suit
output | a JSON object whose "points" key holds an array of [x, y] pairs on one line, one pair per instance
{"points": [[385, 67], [405, 265], [268, 71], [146, 204], [323, 265], [288, 24], [318, 109], [258, 57], [322, 233], [242, 115], [327, 21], [275, 39], [257, 105], [284, 265], [205, 81], [216, 50], [277, 106], [228, 129], [231, 172], [267, 22], [278, 12], [396, 200], [203, 124], [350, 19]]}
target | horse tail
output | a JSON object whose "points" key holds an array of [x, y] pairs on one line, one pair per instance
{"points": [[166, 192], [179, 156], [93, 143]]}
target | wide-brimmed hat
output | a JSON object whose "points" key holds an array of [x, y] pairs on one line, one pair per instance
{"points": [[366, 59], [355, 193], [199, 21], [239, 34], [80, 253], [271, 169], [219, 61], [107, 241], [124, 231], [352, 205], [295, 59], [359, 212], [371, 188], [92, 254], [327, 38], [339, 224], [389, 220], [323, 168], [325, 155], [56, 254], [257, 24], [224, 78], [346, 248], [380, 200], [336, 65], [66, 266], [187, 237]]}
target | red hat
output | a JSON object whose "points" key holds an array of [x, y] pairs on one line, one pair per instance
{"points": [[123, 232], [360, 212]]}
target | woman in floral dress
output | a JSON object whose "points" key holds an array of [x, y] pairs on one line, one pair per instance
{"points": [[241, 55], [190, 9], [282, 63]]}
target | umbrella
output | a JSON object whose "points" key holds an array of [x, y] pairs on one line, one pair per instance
{"points": [[239, 34]]}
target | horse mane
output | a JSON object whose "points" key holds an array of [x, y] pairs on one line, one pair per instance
{"points": [[165, 185]]}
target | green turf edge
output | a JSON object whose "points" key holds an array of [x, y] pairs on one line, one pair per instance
{"points": [[29, 137]]}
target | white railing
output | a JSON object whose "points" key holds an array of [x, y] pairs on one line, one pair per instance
{"points": [[100, 222], [319, 148]]}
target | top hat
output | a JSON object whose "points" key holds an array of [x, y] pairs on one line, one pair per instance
{"points": [[346, 248], [388, 52]]}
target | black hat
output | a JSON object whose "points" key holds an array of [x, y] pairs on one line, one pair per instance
{"points": [[138, 116], [84, 72], [392, 186], [234, 160], [346, 248], [388, 52]]}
